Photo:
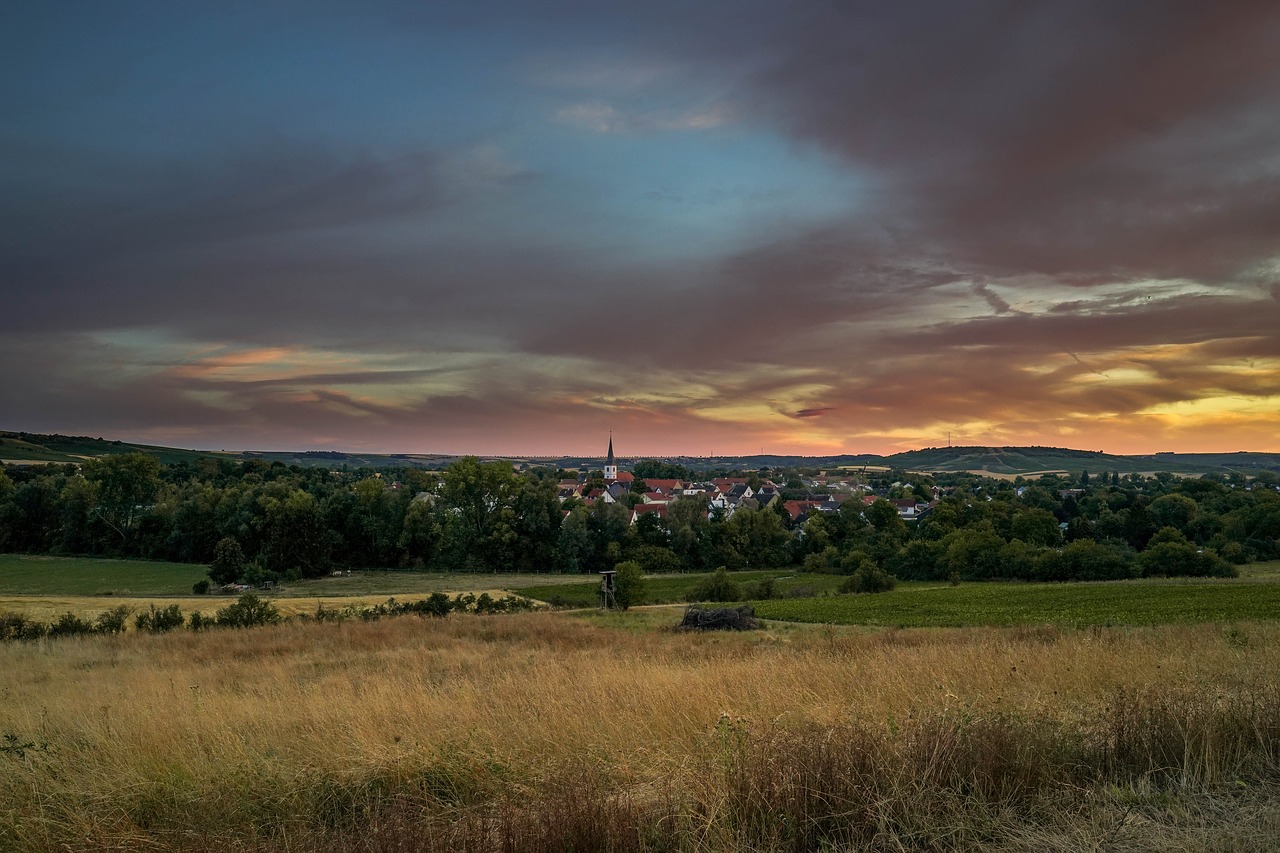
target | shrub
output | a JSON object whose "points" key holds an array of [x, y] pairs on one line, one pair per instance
{"points": [[200, 587], [826, 561], [197, 621], [15, 626], [629, 585], [247, 612], [760, 590], [111, 621], [69, 625], [437, 604], [868, 577], [718, 587], [159, 621]]}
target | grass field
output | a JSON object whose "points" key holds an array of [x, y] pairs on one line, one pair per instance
{"points": [[540, 732], [23, 574]]}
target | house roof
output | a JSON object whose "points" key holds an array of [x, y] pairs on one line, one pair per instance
{"points": [[659, 510], [664, 485]]}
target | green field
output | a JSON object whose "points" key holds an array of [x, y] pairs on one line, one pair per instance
{"points": [[1081, 604], [23, 574], [673, 589]]}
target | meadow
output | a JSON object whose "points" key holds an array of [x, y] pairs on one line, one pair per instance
{"points": [[547, 732]]}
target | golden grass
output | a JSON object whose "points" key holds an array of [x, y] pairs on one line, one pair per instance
{"points": [[301, 736]]}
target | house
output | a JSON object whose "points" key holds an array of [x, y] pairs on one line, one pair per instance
{"points": [[659, 510]]}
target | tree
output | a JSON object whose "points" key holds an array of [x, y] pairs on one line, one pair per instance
{"points": [[1172, 511], [127, 484], [297, 537], [629, 584], [757, 537], [1036, 527], [420, 534], [575, 545], [228, 561]]}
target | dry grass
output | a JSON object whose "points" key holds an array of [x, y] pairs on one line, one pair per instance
{"points": [[537, 731]]}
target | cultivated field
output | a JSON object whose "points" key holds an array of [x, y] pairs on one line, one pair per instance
{"points": [[546, 732], [1146, 602]]}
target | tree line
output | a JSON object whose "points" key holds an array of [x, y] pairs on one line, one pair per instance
{"points": [[255, 521]]}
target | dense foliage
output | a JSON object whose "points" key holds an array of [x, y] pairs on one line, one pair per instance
{"points": [[256, 521]]}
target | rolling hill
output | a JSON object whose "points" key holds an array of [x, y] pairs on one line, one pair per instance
{"points": [[33, 448]]}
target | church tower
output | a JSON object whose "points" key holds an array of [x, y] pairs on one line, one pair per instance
{"points": [[610, 467]]}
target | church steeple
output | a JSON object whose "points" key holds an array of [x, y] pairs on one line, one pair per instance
{"points": [[610, 467]]}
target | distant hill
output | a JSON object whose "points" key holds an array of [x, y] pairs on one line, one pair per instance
{"points": [[36, 448]]}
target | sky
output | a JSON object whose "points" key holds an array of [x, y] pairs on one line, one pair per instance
{"points": [[809, 227]]}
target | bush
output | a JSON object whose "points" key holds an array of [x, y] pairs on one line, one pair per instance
{"points": [[69, 625], [718, 587], [760, 590], [112, 621], [199, 622], [629, 585], [247, 612], [200, 587], [15, 626], [868, 577], [826, 561], [159, 621]]}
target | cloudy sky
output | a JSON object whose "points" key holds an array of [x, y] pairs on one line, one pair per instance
{"points": [[509, 227]]}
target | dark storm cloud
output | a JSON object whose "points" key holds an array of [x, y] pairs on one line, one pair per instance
{"points": [[1051, 137]]}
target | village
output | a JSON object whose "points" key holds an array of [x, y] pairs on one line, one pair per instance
{"points": [[823, 493]]}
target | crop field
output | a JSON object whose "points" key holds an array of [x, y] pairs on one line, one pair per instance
{"points": [[1111, 603], [546, 732]]}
